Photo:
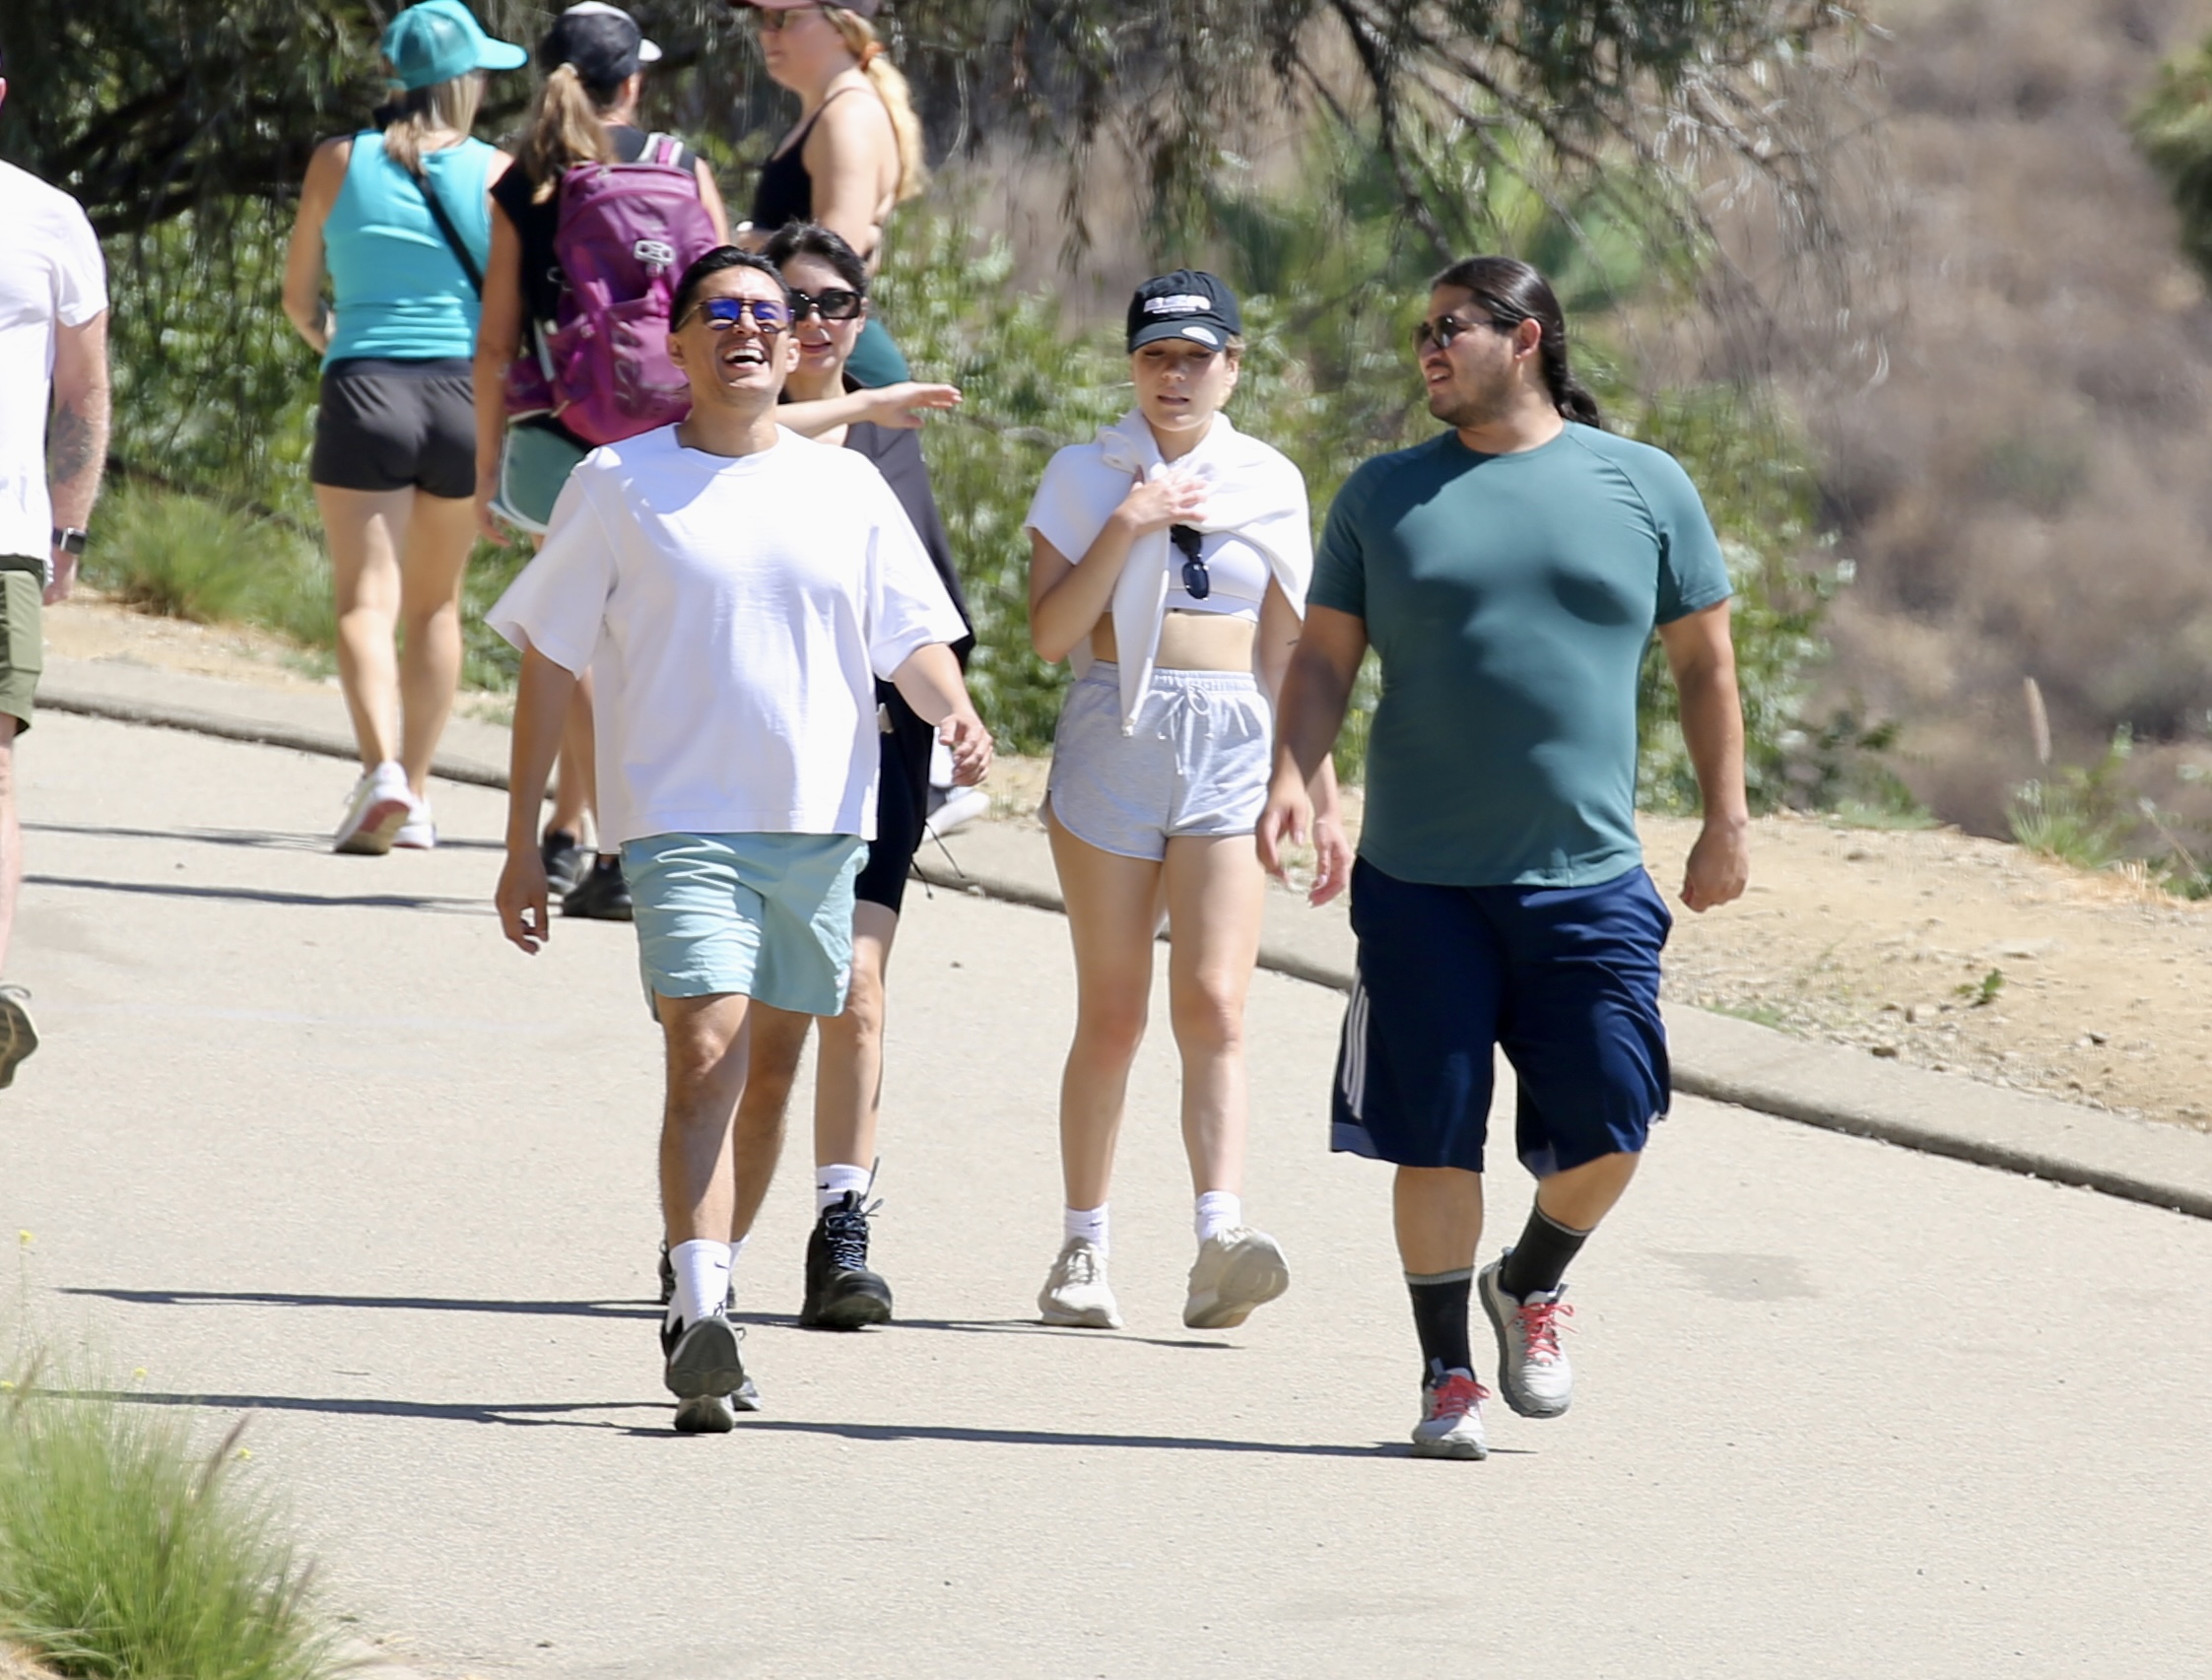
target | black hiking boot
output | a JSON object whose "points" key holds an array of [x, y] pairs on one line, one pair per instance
{"points": [[601, 895], [841, 1293]]}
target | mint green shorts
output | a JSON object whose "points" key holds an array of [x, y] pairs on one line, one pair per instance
{"points": [[764, 917]]}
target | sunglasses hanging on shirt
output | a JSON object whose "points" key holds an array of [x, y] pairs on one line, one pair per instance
{"points": [[1196, 581]]}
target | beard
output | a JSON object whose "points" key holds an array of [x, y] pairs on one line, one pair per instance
{"points": [[1466, 404]]}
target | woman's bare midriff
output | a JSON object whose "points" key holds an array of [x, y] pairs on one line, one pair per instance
{"points": [[1188, 641]]}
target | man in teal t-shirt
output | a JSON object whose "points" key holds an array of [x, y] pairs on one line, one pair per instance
{"points": [[1509, 575]]}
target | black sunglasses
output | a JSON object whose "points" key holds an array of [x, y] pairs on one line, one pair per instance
{"points": [[1442, 331], [832, 304], [1196, 583]]}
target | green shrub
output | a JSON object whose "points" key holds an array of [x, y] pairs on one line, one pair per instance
{"points": [[2081, 818], [189, 558], [126, 1551]]}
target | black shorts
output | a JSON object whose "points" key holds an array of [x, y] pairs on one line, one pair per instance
{"points": [[1564, 980], [902, 804], [386, 425]]}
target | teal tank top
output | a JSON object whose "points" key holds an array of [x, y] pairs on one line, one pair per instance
{"points": [[401, 292]]}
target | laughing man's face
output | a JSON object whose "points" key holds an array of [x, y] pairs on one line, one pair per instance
{"points": [[738, 363]]}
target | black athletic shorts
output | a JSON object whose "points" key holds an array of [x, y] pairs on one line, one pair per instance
{"points": [[385, 425], [901, 803]]}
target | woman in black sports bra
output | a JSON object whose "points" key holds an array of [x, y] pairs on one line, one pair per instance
{"points": [[851, 161]]}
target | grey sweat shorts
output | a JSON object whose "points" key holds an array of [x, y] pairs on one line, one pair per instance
{"points": [[1196, 763]]}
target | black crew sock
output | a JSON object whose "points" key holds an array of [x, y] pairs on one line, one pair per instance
{"points": [[1535, 1264], [1439, 1319]]}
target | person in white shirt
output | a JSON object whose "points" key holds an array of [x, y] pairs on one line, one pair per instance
{"points": [[736, 589], [53, 444]]}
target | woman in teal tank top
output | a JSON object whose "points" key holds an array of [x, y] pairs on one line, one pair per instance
{"points": [[399, 220]]}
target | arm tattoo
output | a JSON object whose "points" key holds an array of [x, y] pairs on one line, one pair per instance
{"points": [[69, 445]]}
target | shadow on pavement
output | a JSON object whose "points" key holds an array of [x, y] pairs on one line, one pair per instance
{"points": [[264, 839], [525, 1414], [1069, 1437], [399, 1303], [264, 896]]}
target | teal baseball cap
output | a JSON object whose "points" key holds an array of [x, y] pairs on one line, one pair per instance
{"points": [[440, 39]]}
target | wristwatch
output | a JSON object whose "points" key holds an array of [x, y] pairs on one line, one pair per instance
{"points": [[71, 539]]}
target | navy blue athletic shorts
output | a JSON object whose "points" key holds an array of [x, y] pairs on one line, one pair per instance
{"points": [[1565, 980]]}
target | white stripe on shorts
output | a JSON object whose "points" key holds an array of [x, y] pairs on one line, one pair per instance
{"points": [[1354, 1080]]}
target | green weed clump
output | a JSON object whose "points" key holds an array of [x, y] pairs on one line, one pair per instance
{"points": [[186, 556], [126, 1552], [2082, 816]]}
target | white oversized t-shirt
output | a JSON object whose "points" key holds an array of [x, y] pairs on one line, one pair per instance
{"points": [[50, 272], [734, 613]]}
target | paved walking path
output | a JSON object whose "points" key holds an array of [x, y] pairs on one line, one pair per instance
{"points": [[307, 1139]]}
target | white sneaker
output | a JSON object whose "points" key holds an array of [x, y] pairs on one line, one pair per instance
{"points": [[1450, 1425], [1076, 1294], [961, 806], [1237, 1270], [419, 832], [1533, 1372], [379, 804]]}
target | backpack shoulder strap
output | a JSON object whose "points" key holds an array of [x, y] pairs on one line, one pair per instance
{"points": [[451, 234], [661, 148]]}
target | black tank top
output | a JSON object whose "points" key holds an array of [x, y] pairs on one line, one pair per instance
{"points": [[786, 191]]}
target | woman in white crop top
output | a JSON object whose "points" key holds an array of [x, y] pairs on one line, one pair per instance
{"points": [[1170, 561]]}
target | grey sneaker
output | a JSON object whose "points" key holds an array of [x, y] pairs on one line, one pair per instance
{"points": [[18, 1037], [1534, 1377], [706, 1374], [1237, 1270], [1076, 1294], [1450, 1425]]}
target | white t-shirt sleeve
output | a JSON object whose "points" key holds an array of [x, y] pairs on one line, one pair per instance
{"points": [[559, 604], [908, 606], [80, 272], [1074, 498]]}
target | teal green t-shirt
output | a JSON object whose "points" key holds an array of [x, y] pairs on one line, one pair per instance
{"points": [[1509, 599]]}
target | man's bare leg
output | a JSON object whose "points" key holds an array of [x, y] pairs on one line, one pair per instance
{"points": [[18, 1038]]}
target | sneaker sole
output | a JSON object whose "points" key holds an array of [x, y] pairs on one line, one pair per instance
{"points": [[1516, 1398], [372, 836], [1462, 1449], [704, 1366], [1090, 1319], [18, 1039], [855, 1311], [1252, 1279]]}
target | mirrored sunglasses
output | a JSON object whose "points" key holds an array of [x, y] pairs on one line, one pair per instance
{"points": [[722, 313]]}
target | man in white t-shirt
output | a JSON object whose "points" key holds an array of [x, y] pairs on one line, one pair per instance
{"points": [[53, 443], [735, 589]]}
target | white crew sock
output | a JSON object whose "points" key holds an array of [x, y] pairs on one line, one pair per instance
{"points": [[1218, 1210], [702, 1280], [1090, 1224], [737, 1247], [832, 1182]]}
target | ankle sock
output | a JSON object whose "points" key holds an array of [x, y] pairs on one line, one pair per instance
{"points": [[1090, 1224], [1218, 1210], [702, 1279], [1439, 1319], [1535, 1264], [832, 1182]]}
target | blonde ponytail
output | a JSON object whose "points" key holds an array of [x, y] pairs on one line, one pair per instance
{"points": [[566, 130], [442, 108], [890, 88]]}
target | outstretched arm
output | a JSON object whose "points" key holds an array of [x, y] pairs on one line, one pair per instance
{"points": [[1308, 713], [1703, 658], [541, 707]]}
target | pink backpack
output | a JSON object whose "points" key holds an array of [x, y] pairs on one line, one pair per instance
{"points": [[627, 233]]}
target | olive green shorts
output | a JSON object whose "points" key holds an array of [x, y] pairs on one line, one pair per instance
{"points": [[23, 643]]}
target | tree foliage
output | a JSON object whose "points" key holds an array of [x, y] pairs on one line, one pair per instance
{"points": [[2174, 127]]}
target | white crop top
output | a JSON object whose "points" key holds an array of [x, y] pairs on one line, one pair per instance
{"points": [[1237, 571]]}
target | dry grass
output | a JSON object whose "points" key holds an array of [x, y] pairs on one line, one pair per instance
{"points": [[2025, 493]]}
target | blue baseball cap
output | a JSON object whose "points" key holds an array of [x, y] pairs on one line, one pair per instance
{"points": [[440, 39]]}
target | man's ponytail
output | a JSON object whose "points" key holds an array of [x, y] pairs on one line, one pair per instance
{"points": [[1509, 291]]}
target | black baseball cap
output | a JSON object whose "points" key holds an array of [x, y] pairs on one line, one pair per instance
{"points": [[1189, 304], [602, 42]]}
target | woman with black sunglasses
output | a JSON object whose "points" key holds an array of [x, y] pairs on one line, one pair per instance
{"points": [[1170, 561]]}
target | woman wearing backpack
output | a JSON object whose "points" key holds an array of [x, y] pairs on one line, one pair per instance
{"points": [[586, 113], [397, 218], [856, 151]]}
